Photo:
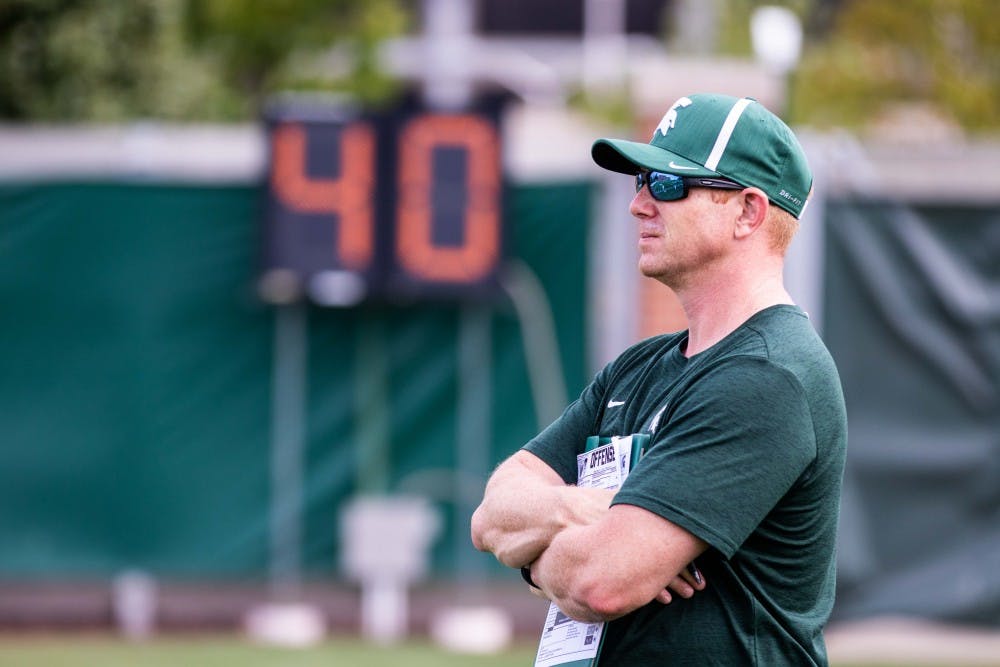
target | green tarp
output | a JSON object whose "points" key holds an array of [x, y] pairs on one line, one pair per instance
{"points": [[913, 319], [136, 366]]}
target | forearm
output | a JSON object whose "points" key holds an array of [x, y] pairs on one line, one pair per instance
{"points": [[518, 527], [602, 571], [525, 505], [559, 573]]}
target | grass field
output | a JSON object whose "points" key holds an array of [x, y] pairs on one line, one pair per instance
{"points": [[102, 651], [97, 651]]}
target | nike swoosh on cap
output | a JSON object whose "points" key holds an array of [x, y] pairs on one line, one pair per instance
{"points": [[680, 166]]}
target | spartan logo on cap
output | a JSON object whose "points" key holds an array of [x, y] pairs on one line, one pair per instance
{"points": [[670, 118]]}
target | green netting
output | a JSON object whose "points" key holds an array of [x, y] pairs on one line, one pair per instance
{"points": [[136, 367]]}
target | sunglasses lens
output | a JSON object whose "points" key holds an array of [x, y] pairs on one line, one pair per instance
{"points": [[665, 187]]}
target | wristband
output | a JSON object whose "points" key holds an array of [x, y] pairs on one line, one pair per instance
{"points": [[526, 575]]}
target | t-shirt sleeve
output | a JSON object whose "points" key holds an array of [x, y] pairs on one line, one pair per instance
{"points": [[725, 452], [560, 442]]}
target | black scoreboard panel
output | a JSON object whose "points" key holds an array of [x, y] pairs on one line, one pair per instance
{"points": [[397, 205]]}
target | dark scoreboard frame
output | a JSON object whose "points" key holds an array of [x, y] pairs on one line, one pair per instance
{"points": [[404, 203]]}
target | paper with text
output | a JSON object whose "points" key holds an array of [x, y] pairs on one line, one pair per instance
{"points": [[565, 641]]}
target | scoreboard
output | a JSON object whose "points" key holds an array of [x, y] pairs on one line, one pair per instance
{"points": [[400, 204]]}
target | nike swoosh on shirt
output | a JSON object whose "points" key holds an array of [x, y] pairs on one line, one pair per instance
{"points": [[615, 404], [680, 166]]}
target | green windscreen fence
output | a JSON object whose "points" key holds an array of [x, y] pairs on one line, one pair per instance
{"points": [[913, 320], [136, 367], [136, 376]]}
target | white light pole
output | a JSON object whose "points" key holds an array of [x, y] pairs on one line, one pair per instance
{"points": [[776, 33]]}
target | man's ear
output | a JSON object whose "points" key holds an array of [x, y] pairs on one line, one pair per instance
{"points": [[753, 212]]}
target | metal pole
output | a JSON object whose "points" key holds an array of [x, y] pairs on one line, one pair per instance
{"points": [[287, 447], [805, 261], [371, 408], [605, 47], [448, 36], [541, 342], [472, 452]]}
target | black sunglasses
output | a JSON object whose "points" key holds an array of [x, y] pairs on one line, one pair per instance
{"points": [[671, 187]]}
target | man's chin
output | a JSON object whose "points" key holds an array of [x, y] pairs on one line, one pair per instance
{"points": [[665, 275], [651, 270]]}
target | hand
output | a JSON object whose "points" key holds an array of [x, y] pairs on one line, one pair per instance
{"points": [[684, 584], [538, 593]]}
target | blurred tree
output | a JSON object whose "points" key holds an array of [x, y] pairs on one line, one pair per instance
{"points": [[863, 58], [268, 45], [943, 54], [94, 60], [105, 60]]}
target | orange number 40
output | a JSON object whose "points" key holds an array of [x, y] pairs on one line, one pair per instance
{"points": [[350, 196]]}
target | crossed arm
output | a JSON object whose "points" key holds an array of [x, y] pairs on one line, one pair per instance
{"points": [[596, 562]]}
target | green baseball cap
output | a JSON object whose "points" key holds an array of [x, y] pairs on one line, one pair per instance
{"points": [[719, 136]]}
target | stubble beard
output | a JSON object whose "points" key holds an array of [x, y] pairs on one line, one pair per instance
{"points": [[680, 269], [666, 272]]}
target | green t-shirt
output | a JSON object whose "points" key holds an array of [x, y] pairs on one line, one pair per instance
{"points": [[747, 450]]}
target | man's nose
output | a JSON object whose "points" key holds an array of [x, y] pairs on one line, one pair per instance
{"points": [[641, 205]]}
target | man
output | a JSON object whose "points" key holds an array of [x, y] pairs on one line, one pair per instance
{"points": [[745, 414]]}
